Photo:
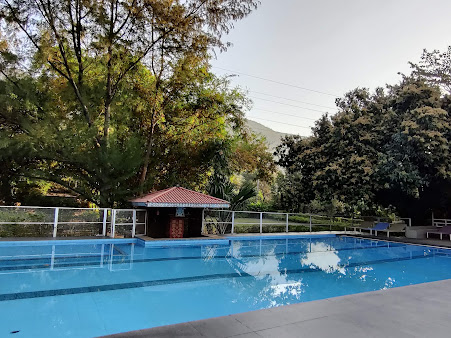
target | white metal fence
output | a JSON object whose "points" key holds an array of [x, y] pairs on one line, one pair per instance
{"points": [[441, 222], [26, 221], [226, 221]]}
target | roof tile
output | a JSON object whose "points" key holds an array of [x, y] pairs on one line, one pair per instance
{"points": [[178, 195]]}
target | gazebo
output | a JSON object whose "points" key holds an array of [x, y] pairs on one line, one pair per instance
{"points": [[176, 212]]}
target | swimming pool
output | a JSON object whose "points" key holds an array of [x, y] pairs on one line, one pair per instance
{"points": [[93, 288]]}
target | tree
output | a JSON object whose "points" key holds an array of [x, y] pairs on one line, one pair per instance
{"points": [[220, 181], [435, 67], [103, 96], [386, 148], [114, 37], [414, 165]]}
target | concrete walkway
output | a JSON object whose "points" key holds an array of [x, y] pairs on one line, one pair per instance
{"points": [[422, 310]]}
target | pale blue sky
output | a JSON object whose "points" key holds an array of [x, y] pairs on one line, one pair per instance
{"points": [[329, 46]]}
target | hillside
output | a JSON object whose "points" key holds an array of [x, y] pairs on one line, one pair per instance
{"points": [[272, 137]]}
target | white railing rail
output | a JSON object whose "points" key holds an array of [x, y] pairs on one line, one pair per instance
{"points": [[128, 218], [407, 220], [441, 222], [225, 221], [55, 220]]}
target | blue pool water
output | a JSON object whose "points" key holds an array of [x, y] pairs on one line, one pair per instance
{"points": [[85, 290]]}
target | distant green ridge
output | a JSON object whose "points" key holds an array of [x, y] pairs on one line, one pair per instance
{"points": [[272, 137]]}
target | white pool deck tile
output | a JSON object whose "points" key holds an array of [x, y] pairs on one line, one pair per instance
{"points": [[421, 310]]}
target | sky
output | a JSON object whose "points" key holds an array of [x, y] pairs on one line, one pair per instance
{"points": [[328, 47]]}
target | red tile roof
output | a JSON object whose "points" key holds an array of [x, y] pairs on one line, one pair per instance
{"points": [[179, 197]]}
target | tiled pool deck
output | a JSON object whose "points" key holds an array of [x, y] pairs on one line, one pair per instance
{"points": [[421, 310]]}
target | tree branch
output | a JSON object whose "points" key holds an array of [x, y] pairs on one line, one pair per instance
{"points": [[47, 14], [132, 65]]}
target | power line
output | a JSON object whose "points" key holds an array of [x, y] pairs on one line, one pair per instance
{"points": [[278, 82], [291, 105], [285, 98], [299, 117], [289, 124]]}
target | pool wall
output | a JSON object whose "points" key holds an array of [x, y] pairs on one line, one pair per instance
{"points": [[156, 243]]}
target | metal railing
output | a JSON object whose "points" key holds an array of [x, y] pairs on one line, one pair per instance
{"points": [[408, 220], [31, 221], [441, 222], [227, 221], [123, 219]]}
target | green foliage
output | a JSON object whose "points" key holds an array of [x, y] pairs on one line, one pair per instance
{"points": [[386, 148], [435, 67], [242, 155], [30, 230], [31, 216], [260, 206], [106, 100], [226, 190]]}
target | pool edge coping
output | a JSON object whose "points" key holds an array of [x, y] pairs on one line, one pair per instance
{"points": [[223, 240]]}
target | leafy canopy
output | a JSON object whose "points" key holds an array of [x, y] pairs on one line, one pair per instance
{"points": [[386, 148], [107, 99]]}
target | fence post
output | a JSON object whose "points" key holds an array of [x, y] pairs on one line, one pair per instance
{"points": [[233, 222], [105, 216], [261, 222], [134, 224], [202, 231], [286, 227], [55, 222], [410, 222], [352, 223], [310, 222], [433, 222], [113, 222], [145, 221]]}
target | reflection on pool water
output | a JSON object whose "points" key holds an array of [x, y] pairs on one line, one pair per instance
{"points": [[85, 290]]}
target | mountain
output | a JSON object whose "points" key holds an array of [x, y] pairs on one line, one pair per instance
{"points": [[272, 137]]}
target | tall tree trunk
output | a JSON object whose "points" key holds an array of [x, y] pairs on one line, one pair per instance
{"points": [[107, 104], [146, 162], [106, 122], [109, 87]]}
